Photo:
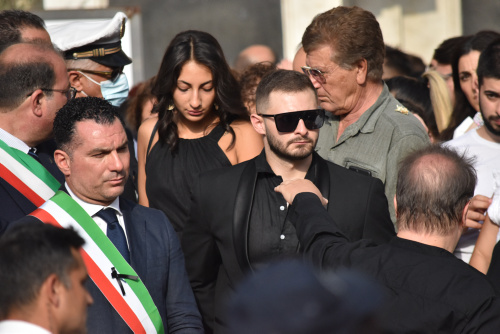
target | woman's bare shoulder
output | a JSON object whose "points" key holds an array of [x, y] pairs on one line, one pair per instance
{"points": [[146, 128]]}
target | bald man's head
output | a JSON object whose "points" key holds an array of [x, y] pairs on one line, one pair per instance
{"points": [[25, 67], [18, 26], [434, 185], [252, 55]]}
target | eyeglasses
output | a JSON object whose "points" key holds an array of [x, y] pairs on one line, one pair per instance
{"points": [[70, 92], [288, 121], [111, 75], [318, 75]]}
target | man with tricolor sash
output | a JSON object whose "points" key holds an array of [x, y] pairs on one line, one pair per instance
{"points": [[33, 86], [138, 278]]}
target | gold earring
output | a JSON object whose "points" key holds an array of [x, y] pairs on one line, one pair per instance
{"points": [[216, 106], [170, 107]]}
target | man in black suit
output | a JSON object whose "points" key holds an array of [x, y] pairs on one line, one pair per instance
{"points": [[239, 223], [33, 86], [428, 289], [93, 155]]}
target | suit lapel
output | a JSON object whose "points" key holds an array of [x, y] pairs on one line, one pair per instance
{"points": [[322, 177], [135, 227], [241, 215]]}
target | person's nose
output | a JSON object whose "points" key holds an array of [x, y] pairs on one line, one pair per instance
{"points": [[301, 128], [195, 101], [115, 163]]}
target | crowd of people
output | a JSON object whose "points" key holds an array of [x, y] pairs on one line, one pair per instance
{"points": [[176, 206]]}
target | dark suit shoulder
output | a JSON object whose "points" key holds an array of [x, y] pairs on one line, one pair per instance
{"points": [[152, 215]]}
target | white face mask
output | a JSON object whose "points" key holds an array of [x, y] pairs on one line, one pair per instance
{"points": [[115, 92]]}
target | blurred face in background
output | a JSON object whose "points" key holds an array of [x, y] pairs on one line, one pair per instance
{"points": [[467, 66]]}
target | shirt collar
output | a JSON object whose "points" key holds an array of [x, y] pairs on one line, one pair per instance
{"points": [[262, 166], [366, 123], [92, 209], [13, 141]]}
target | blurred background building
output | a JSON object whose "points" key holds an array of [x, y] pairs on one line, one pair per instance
{"points": [[414, 26]]}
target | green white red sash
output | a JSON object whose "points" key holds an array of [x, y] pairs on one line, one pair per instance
{"points": [[136, 307], [26, 174]]}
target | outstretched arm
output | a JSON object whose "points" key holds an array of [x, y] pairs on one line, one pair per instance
{"points": [[481, 257]]}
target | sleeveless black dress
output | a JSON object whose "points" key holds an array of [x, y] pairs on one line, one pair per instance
{"points": [[169, 178]]}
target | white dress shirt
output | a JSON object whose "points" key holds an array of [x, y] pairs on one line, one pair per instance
{"points": [[93, 209], [20, 327], [13, 142]]}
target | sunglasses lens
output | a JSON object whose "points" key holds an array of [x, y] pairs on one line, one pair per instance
{"points": [[317, 75], [313, 119], [287, 122]]}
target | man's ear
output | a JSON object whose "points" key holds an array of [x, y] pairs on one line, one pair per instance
{"points": [[63, 161], [258, 124], [75, 78], [361, 71], [37, 99], [464, 214], [51, 288]]}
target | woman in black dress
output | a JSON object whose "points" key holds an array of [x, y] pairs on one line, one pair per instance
{"points": [[202, 125]]}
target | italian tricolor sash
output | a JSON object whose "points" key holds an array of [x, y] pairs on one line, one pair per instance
{"points": [[26, 174], [135, 306]]}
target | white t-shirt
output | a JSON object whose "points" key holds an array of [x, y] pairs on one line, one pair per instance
{"points": [[487, 159]]}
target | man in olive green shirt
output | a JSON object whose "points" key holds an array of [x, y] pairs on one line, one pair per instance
{"points": [[367, 130]]}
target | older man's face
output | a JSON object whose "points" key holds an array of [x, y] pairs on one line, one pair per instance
{"points": [[338, 92]]}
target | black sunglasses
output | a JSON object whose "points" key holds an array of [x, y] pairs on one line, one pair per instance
{"points": [[288, 121]]}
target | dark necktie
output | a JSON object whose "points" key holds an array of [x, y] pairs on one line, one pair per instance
{"points": [[115, 232], [32, 152]]}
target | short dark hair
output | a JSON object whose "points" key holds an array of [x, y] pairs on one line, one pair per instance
{"points": [[81, 109], [434, 185], [282, 81], [19, 78], [489, 62], [12, 21], [29, 253], [353, 33]]}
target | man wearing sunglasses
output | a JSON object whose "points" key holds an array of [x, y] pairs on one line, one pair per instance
{"points": [[94, 57], [367, 130], [33, 86], [239, 223]]}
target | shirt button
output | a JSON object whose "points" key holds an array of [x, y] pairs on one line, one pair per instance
{"points": [[282, 208], [282, 237]]}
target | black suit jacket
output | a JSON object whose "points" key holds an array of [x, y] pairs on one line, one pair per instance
{"points": [[428, 290], [215, 238], [156, 256]]}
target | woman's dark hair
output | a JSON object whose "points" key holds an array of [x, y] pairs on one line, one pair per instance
{"points": [[414, 94], [462, 108], [204, 49]]}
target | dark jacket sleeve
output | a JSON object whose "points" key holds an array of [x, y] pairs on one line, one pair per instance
{"points": [[322, 241], [202, 259], [182, 314], [378, 225]]}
